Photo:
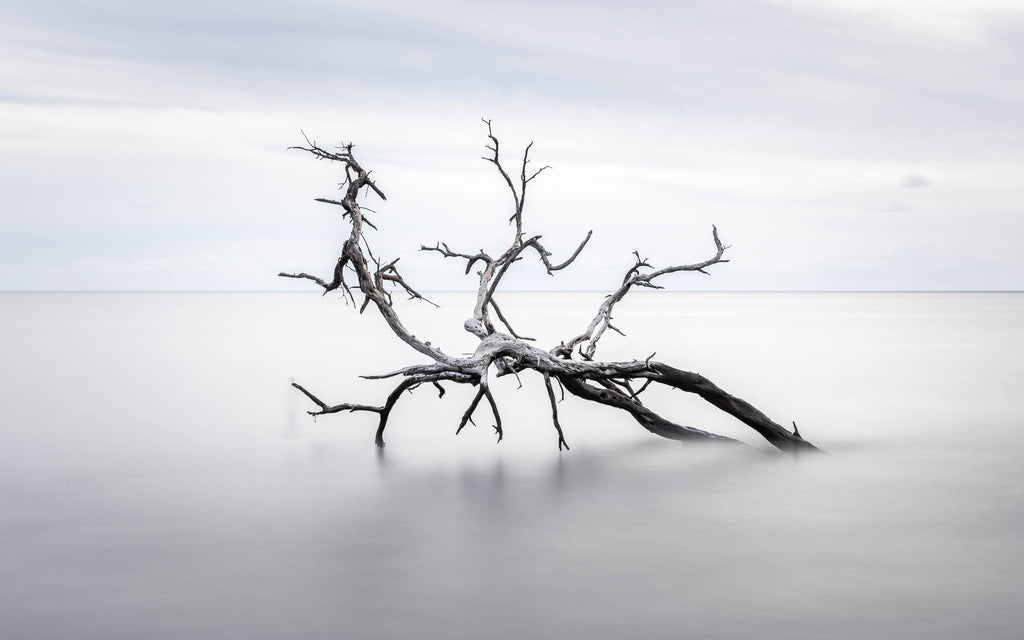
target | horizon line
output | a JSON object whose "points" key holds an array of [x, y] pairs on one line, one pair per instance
{"points": [[662, 291]]}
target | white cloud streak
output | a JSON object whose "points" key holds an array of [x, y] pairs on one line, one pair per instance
{"points": [[150, 140]]}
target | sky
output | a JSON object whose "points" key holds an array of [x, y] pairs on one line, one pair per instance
{"points": [[869, 145]]}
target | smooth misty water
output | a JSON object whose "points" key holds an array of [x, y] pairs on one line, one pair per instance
{"points": [[159, 478]]}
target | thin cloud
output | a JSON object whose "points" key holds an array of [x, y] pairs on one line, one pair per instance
{"points": [[915, 181], [134, 134]]}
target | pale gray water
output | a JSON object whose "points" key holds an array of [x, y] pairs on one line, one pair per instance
{"points": [[159, 479]]}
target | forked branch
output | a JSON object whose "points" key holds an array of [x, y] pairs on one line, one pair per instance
{"points": [[634, 278]]}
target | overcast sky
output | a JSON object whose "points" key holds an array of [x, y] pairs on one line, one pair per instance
{"points": [[836, 145]]}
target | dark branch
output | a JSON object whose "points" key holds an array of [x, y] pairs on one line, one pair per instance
{"points": [[545, 254], [443, 249], [496, 161], [647, 418], [324, 408], [304, 275], [554, 413], [505, 322], [494, 410], [468, 415]]}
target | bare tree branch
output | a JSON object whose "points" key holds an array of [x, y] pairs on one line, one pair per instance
{"points": [[545, 254], [554, 413], [647, 418], [304, 275], [494, 410], [571, 363], [501, 316], [324, 408], [443, 249], [495, 159], [468, 415], [633, 277]]}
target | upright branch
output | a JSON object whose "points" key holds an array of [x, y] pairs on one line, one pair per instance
{"points": [[370, 281], [571, 363]]}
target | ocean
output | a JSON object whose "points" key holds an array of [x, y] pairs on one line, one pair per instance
{"points": [[160, 478]]}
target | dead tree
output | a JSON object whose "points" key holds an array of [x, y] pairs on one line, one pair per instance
{"points": [[571, 363]]}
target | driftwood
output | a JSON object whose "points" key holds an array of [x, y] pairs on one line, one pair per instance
{"points": [[570, 363]]}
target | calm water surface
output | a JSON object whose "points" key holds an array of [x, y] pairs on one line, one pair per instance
{"points": [[160, 479]]}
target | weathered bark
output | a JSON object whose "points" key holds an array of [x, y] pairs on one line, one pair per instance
{"points": [[571, 362], [647, 418]]}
